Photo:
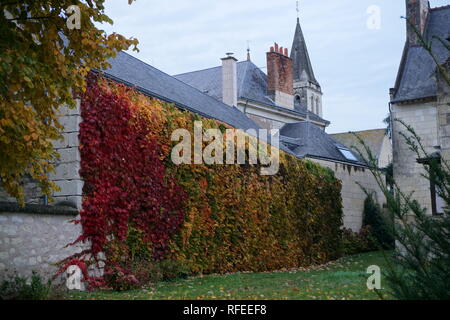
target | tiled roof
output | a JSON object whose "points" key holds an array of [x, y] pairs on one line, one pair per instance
{"points": [[416, 77], [151, 81], [307, 140], [301, 139], [155, 83], [252, 85]]}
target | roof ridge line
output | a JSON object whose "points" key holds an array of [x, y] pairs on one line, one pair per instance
{"points": [[440, 8], [359, 131], [184, 83], [195, 71], [201, 70]]}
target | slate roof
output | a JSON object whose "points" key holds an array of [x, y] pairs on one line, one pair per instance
{"points": [[252, 85], [153, 82], [299, 54], [295, 138], [416, 76], [372, 138], [305, 139]]}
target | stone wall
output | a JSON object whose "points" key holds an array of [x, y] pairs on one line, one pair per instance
{"points": [[353, 196], [36, 241], [269, 118], [310, 95], [443, 103], [32, 193], [385, 156], [66, 176], [423, 117], [266, 123], [34, 237]]}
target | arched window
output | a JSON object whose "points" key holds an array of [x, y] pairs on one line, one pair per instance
{"points": [[312, 103]]}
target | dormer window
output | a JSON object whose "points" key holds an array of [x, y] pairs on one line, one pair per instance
{"points": [[348, 154]]}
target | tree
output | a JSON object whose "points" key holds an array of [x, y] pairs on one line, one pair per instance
{"points": [[44, 60], [373, 217]]}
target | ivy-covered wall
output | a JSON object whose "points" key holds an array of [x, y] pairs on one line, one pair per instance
{"points": [[137, 204]]}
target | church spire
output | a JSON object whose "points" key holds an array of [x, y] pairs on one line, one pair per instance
{"points": [[299, 54], [307, 91]]}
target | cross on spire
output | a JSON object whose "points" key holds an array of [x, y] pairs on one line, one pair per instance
{"points": [[298, 11]]}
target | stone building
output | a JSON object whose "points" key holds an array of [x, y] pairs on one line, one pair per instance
{"points": [[420, 98]]}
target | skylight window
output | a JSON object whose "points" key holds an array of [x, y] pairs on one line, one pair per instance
{"points": [[348, 154]]}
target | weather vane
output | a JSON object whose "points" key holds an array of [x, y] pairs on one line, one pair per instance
{"points": [[297, 10]]}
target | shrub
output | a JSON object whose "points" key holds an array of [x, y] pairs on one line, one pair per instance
{"points": [[173, 269], [23, 288], [120, 279], [358, 242], [141, 209], [147, 272], [373, 218]]}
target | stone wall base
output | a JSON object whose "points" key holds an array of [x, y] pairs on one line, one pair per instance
{"points": [[35, 242]]}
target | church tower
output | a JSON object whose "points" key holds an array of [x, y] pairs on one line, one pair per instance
{"points": [[307, 89]]}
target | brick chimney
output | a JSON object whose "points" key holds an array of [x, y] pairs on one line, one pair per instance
{"points": [[229, 80], [280, 84], [417, 14]]}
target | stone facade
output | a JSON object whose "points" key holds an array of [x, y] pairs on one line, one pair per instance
{"points": [[66, 175], [35, 242], [385, 155], [353, 196], [32, 193], [266, 122], [407, 171], [309, 95], [443, 106], [269, 118]]}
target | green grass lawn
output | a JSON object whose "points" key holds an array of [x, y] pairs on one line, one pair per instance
{"points": [[342, 279]]}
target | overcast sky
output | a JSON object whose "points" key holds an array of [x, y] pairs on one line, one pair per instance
{"points": [[355, 65]]}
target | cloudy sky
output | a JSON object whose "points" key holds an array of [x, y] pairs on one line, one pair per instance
{"points": [[354, 63]]}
